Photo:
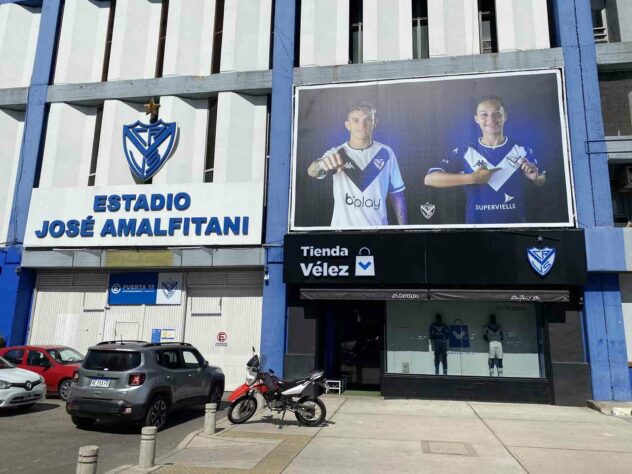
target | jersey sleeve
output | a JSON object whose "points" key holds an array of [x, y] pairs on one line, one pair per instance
{"points": [[450, 164], [396, 183]]}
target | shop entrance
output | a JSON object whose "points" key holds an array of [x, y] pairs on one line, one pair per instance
{"points": [[355, 343]]}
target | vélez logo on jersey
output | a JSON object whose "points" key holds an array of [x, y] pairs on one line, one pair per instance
{"points": [[541, 259], [147, 147]]}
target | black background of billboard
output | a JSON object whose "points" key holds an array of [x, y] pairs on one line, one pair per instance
{"points": [[422, 122]]}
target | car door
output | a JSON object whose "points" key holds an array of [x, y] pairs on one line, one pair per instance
{"points": [[37, 361], [171, 362], [198, 385]]}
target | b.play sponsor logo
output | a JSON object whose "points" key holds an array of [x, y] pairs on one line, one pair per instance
{"points": [[361, 202]]}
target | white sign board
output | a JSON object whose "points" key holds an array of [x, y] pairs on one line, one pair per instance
{"points": [[152, 215]]}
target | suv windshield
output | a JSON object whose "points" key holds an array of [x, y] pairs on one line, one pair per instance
{"points": [[5, 364], [119, 361], [65, 355]]}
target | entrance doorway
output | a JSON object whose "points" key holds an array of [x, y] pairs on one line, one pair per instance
{"points": [[355, 343]]}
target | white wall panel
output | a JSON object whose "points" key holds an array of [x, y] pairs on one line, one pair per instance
{"points": [[186, 164], [240, 319], [189, 45], [324, 32], [11, 131], [625, 281], [135, 39], [112, 167], [246, 35], [19, 27], [387, 30], [82, 41], [453, 27], [68, 147], [240, 138], [619, 20], [522, 25]]}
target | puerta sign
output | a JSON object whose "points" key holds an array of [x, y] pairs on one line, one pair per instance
{"points": [[407, 259], [148, 288]]}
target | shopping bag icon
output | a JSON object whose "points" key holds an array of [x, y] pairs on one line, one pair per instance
{"points": [[365, 266]]}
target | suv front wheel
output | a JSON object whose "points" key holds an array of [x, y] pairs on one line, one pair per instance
{"points": [[215, 395], [157, 412]]}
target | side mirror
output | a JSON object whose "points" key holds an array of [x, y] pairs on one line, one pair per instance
{"points": [[46, 364], [205, 363]]}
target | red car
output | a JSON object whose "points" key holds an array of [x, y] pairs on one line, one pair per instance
{"points": [[57, 364]]}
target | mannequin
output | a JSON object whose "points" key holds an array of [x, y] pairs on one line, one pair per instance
{"points": [[439, 335], [493, 334]]}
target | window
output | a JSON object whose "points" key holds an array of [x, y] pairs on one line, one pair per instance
{"points": [[169, 359], [108, 41], [217, 37], [355, 37], [65, 355], [112, 360], [37, 359], [14, 356], [420, 29], [615, 88], [209, 162], [162, 35], [95, 146], [600, 31], [192, 359], [487, 26]]}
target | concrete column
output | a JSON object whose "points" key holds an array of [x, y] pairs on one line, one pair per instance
{"points": [[11, 130], [240, 138], [112, 167], [619, 20], [135, 39], [19, 28], [189, 42], [81, 49], [68, 146], [387, 30], [453, 28], [274, 322], [147, 455], [522, 25], [324, 32], [87, 460], [246, 35], [210, 413], [186, 164]]}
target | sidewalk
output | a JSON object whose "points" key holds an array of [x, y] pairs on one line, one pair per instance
{"points": [[369, 434]]}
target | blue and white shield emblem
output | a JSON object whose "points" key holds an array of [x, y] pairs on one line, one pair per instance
{"points": [[148, 146], [541, 260]]}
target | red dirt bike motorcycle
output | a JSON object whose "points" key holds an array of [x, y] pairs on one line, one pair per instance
{"points": [[299, 396]]}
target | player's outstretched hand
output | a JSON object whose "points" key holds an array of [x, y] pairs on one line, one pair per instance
{"points": [[482, 175], [332, 162]]}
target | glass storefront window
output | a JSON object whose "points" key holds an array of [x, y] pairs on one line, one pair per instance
{"points": [[466, 339]]}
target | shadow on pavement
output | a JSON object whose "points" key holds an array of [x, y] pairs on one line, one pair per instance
{"points": [[16, 411]]}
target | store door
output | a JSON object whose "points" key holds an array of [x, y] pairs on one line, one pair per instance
{"points": [[359, 343]]}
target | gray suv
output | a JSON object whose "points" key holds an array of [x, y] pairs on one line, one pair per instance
{"points": [[141, 382]]}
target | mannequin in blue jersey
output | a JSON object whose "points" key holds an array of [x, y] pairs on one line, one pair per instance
{"points": [[493, 170], [365, 173], [439, 336]]}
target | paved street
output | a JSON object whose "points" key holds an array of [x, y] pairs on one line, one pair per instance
{"points": [[44, 439]]}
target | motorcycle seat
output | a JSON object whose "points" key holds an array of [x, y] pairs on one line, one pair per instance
{"points": [[291, 383]]}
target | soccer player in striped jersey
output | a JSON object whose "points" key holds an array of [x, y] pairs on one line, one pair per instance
{"points": [[493, 170], [365, 172]]}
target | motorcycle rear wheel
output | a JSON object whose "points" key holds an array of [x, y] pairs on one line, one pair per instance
{"points": [[242, 409], [311, 412]]}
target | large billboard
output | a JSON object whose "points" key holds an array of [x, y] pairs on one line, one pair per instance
{"points": [[485, 150]]}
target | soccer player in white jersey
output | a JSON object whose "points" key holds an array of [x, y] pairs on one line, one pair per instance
{"points": [[365, 172], [493, 170]]}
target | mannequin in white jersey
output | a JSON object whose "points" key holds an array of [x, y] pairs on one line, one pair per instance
{"points": [[493, 334], [365, 172]]}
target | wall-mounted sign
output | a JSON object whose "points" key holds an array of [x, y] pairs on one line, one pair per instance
{"points": [[163, 335], [148, 146], [148, 288], [221, 339], [156, 215]]}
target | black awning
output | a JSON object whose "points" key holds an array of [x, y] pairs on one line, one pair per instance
{"points": [[530, 296], [363, 294]]}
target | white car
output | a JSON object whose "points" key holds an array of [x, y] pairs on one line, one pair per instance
{"points": [[19, 387]]}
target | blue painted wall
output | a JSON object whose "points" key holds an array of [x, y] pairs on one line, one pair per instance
{"points": [[603, 318], [273, 330], [16, 285]]}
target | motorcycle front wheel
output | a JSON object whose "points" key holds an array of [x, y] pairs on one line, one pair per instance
{"points": [[242, 409], [311, 412]]}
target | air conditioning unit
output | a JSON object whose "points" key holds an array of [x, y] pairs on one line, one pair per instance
{"points": [[624, 179]]}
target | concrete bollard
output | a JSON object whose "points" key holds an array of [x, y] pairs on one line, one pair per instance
{"points": [[87, 460], [147, 447], [210, 414]]}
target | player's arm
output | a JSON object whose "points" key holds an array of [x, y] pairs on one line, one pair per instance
{"points": [[398, 202], [330, 162], [532, 172], [442, 179]]}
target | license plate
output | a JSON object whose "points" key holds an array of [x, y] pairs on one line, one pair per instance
{"points": [[102, 383]]}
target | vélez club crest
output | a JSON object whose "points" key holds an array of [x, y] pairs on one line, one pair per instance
{"points": [[541, 259], [148, 146]]}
